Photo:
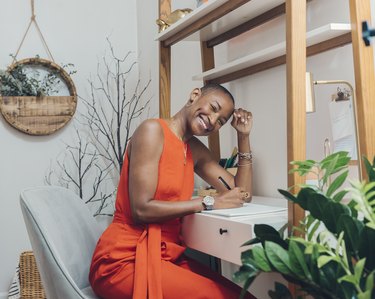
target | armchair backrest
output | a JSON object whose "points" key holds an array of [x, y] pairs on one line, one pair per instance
{"points": [[63, 235]]}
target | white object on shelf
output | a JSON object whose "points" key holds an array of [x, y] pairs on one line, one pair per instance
{"points": [[236, 17], [312, 37]]}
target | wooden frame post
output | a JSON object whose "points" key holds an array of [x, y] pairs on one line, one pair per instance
{"points": [[164, 67], [296, 94], [363, 60]]}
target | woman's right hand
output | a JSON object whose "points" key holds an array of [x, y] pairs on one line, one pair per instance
{"points": [[234, 198]]}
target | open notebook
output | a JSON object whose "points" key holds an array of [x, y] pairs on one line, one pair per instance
{"points": [[247, 209]]}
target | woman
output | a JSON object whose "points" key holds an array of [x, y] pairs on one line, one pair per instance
{"points": [[140, 255]]}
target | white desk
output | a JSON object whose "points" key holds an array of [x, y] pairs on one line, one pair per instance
{"points": [[222, 237], [202, 232]]}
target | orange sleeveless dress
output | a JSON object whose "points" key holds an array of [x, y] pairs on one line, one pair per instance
{"points": [[146, 261]]}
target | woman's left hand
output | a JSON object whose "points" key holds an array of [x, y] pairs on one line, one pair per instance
{"points": [[242, 121]]}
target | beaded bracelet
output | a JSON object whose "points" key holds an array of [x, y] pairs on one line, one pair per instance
{"points": [[245, 156]]}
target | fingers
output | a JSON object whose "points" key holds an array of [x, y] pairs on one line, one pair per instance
{"points": [[236, 194], [242, 116]]}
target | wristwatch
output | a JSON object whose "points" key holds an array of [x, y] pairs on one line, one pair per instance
{"points": [[208, 202]]}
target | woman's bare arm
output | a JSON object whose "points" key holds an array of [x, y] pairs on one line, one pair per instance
{"points": [[209, 169], [145, 152]]}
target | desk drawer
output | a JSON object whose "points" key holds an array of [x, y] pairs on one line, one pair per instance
{"points": [[216, 237]]}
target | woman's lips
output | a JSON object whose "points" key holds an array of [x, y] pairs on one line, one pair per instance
{"points": [[203, 123]]}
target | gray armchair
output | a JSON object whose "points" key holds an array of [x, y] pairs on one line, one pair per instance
{"points": [[63, 235]]}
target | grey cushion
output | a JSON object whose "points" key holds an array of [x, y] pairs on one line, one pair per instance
{"points": [[63, 235]]}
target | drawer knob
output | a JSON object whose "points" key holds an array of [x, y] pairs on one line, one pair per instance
{"points": [[223, 231]]}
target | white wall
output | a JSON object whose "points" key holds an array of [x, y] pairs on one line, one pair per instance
{"points": [[75, 32]]}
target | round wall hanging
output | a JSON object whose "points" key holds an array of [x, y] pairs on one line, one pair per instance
{"points": [[53, 100]]}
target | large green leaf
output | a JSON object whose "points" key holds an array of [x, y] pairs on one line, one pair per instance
{"points": [[358, 269], [339, 195], [317, 204], [304, 164], [304, 196], [313, 229], [335, 164], [260, 259], [303, 167], [337, 183], [281, 292], [246, 285], [365, 295], [324, 164], [369, 169], [313, 263], [261, 230], [278, 257], [251, 242], [247, 257], [351, 205], [370, 281], [266, 232], [245, 272], [328, 279], [349, 278], [289, 196], [352, 229], [325, 259], [332, 212], [366, 247], [297, 260]]}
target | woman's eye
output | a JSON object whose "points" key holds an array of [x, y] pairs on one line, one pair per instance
{"points": [[213, 108]]}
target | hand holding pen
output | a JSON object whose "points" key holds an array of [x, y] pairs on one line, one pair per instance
{"points": [[224, 183], [243, 194]]}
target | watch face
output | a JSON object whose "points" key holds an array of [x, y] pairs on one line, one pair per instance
{"points": [[208, 202]]}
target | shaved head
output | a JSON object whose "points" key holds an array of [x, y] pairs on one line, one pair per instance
{"points": [[216, 87]]}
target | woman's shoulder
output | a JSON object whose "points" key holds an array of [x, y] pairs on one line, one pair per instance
{"points": [[148, 131], [151, 126], [148, 136]]}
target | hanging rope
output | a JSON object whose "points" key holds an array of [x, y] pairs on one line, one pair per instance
{"points": [[33, 20]]}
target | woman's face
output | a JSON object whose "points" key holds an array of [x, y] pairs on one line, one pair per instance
{"points": [[210, 112]]}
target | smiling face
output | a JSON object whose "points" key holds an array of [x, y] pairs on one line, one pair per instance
{"points": [[209, 111]]}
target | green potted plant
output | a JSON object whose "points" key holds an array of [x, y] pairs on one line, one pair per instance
{"points": [[336, 256]]}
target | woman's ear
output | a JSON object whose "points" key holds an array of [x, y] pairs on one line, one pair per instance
{"points": [[194, 95]]}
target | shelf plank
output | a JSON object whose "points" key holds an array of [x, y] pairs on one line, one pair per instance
{"points": [[214, 18], [274, 55], [244, 27]]}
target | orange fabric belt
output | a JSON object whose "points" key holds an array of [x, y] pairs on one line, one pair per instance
{"points": [[148, 256], [148, 264]]}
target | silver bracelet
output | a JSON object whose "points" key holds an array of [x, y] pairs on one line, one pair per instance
{"points": [[245, 156], [245, 164]]}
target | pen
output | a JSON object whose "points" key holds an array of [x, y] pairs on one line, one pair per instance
{"points": [[225, 183]]}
